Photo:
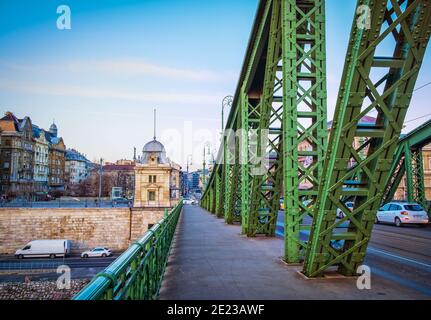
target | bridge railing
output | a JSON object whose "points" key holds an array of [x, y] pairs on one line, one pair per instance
{"points": [[137, 274]]}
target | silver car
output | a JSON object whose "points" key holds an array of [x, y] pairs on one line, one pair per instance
{"points": [[400, 213], [97, 252]]}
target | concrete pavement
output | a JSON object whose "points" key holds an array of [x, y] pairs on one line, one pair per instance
{"points": [[212, 261]]}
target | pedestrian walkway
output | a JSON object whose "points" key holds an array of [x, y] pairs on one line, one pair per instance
{"points": [[213, 261]]}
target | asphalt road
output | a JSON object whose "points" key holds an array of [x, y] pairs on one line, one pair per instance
{"points": [[14, 270], [401, 255]]}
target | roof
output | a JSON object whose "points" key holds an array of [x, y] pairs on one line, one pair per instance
{"points": [[11, 123], [154, 146], [73, 155], [117, 167], [7, 126]]}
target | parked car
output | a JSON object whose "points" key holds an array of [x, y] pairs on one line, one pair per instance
{"points": [[188, 201], [121, 201], [44, 248], [97, 252], [341, 214], [282, 204], [400, 213]]}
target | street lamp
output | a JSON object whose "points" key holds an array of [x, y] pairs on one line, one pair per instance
{"points": [[207, 144], [100, 179], [227, 102], [187, 181]]}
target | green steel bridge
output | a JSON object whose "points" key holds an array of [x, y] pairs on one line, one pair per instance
{"points": [[279, 116], [276, 142]]}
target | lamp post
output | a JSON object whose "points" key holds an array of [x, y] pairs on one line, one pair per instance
{"points": [[207, 144], [227, 102], [100, 179], [203, 172], [187, 181]]}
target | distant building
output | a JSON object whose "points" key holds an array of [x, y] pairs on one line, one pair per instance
{"points": [[157, 179], [16, 156], [120, 176], [57, 159], [125, 162], [77, 167], [401, 193], [41, 160]]}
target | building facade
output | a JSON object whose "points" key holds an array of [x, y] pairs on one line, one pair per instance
{"points": [[57, 159], [41, 160], [16, 156], [401, 193], [120, 176], [77, 167], [157, 179]]}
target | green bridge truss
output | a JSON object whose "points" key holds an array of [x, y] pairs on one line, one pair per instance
{"points": [[408, 162], [276, 136]]}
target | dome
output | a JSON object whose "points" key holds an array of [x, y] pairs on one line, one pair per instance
{"points": [[154, 146], [53, 130]]}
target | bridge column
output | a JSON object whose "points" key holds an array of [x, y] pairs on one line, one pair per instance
{"points": [[304, 116], [404, 30]]}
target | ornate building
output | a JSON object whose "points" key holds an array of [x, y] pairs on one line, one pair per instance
{"points": [[16, 160], [77, 168], [157, 179], [57, 161], [41, 160]]}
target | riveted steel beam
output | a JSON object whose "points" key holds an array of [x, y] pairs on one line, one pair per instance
{"points": [[401, 30]]}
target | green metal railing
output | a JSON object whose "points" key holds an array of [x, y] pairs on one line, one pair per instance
{"points": [[137, 274]]}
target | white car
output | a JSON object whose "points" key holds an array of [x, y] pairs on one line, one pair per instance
{"points": [[341, 214], [400, 213], [97, 252], [188, 201]]}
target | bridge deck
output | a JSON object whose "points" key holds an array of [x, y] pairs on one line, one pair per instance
{"points": [[212, 261]]}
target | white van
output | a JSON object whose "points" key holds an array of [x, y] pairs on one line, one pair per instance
{"points": [[44, 248]]}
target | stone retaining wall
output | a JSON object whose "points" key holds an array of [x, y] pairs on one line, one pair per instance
{"points": [[115, 228]]}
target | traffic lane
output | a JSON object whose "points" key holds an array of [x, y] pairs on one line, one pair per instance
{"points": [[9, 264], [410, 273], [410, 242], [71, 257]]}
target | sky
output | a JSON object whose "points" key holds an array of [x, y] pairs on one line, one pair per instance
{"points": [[101, 80]]}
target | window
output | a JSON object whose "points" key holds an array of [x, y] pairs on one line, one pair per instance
{"points": [[394, 207], [151, 195], [413, 207], [153, 179]]}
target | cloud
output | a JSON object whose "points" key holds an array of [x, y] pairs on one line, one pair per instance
{"points": [[142, 67], [108, 93], [125, 67]]}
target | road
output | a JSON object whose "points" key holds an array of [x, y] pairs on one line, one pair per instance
{"points": [[14, 270], [401, 255]]}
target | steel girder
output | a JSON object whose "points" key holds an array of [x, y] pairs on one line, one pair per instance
{"points": [[404, 27], [233, 213], [292, 121], [266, 173], [305, 116], [408, 163]]}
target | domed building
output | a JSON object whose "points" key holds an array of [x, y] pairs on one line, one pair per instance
{"points": [[157, 179]]}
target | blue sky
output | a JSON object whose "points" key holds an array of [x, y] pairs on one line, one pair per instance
{"points": [[101, 80]]}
